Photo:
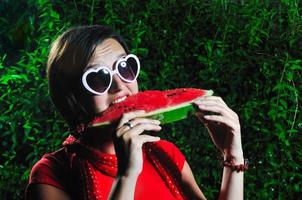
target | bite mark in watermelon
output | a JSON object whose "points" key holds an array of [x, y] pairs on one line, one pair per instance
{"points": [[166, 106]]}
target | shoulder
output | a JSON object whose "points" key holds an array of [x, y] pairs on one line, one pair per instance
{"points": [[173, 152], [169, 147], [51, 169]]}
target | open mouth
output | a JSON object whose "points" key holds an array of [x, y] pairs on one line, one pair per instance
{"points": [[119, 100]]}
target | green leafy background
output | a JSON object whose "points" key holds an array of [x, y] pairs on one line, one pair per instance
{"points": [[248, 52]]}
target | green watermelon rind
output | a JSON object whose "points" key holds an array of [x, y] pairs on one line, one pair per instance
{"points": [[174, 114], [168, 114]]}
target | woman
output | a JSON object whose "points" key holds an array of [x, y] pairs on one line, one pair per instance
{"points": [[122, 161]]}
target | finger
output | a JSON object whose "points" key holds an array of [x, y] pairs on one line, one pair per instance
{"points": [[135, 122], [139, 120], [219, 99], [128, 116], [215, 107], [213, 98], [217, 103], [210, 102], [138, 129], [222, 119], [138, 141]]}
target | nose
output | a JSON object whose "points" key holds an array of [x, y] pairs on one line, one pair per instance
{"points": [[117, 84]]}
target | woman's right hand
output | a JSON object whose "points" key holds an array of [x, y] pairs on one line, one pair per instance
{"points": [[128, 141]]}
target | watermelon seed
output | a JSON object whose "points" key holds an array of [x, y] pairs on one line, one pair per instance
{"points": [[172, 94]]}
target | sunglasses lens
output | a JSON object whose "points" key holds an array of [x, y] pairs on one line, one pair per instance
{"points": [[128, 69], [99, 81]]}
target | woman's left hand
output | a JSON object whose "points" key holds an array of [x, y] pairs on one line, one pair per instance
{"points": [[224, 128]]}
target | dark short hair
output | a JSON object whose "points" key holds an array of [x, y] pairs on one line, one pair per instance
{"points": [[69, 55]]}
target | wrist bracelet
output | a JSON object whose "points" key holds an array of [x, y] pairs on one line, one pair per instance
{"points": [[234, 167]]}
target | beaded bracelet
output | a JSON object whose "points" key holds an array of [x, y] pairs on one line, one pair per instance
{"points": [[238, 168]]}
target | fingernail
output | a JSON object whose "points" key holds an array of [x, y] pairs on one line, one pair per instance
{"points": [[157, 121], [202, 106], [207, 116]]}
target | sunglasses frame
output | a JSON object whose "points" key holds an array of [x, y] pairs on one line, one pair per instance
{"points": [[111, 72]]}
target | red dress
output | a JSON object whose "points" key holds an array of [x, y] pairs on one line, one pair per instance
{"points": [[54, 169]]}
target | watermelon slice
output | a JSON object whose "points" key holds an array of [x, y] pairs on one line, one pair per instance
{"points": [[166, 106]]}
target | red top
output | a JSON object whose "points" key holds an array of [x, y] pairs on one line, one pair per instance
{"points": [[53, 169]]}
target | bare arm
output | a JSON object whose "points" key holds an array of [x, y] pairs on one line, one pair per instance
{"points": [[231, 186], [232, 182], [123, 187], [190, 184], [128, 147], [224, 129], [45, 192]]}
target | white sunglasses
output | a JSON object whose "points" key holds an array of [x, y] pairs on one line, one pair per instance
{"points": [[98, 80]]}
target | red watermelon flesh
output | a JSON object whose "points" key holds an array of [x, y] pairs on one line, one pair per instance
{"points": [[167, 106]]}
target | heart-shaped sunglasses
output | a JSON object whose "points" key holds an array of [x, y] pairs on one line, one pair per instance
{"points": [[98, 80]]}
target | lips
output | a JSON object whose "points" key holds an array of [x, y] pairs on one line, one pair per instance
{"points": [[119, 99]]}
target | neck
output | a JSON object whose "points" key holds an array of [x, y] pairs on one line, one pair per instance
{"points": [[101, 139]]}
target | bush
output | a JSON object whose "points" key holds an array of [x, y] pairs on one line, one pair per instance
{"points": [[249, 53]]}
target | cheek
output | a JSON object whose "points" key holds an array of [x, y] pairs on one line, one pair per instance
{"points": [[101, 103], [133, 87]]}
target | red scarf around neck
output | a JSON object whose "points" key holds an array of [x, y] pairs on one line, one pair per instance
{"points": [[85, 160]]}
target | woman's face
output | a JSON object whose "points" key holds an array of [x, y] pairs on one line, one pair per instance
{"points": [[106, 54]]}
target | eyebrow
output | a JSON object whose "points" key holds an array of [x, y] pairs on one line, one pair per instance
{"points": [[118, 57], [121, 55]]}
